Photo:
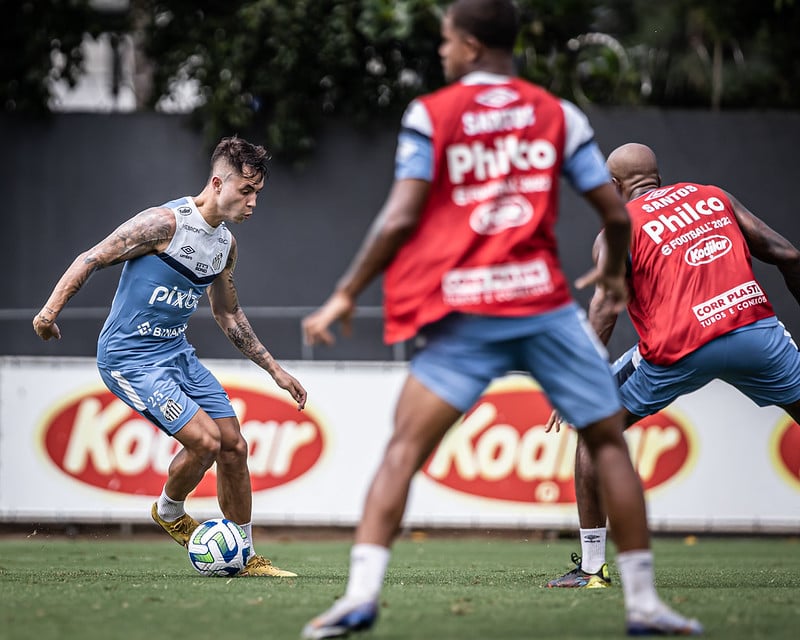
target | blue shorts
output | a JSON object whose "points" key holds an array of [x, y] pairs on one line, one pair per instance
{"points": [[761, 360], [169, 392], [462, 354]]}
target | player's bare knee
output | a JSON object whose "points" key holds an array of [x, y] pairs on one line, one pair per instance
{"points": [[207, 448], [603, 433], [403, 457], [233, 452]]}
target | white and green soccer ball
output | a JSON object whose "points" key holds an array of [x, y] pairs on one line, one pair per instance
{"points": [[218, 547]]}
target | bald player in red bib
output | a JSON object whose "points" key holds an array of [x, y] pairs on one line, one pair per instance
{"points": [[699, 312]]}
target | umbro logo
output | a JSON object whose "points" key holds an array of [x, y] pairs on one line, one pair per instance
{"points": [[658, 193], [497, 97]]}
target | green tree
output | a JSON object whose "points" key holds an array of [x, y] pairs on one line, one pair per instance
{"points": [[285, 66], [40, 43], [714, 54], [280, 68]]}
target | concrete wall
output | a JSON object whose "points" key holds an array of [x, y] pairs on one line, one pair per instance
{"points": [[69, 181]]}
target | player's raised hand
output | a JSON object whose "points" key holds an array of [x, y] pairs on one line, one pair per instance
{"points": [[45, 326], [316, 326], [613, 289], [589, 278]]}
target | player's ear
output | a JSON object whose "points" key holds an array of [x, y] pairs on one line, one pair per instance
{"points": [[617, 185], [475, 47]]}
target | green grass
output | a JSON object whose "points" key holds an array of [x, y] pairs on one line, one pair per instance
{"points": [[462, 588]]}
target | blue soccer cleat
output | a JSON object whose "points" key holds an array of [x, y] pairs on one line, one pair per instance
{"points": [[662, 622], [342, 618]]}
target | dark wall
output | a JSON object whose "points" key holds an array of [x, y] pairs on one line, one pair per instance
{"points": [[71, 180]]}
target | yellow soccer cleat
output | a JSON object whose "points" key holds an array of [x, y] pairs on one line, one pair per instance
{"points": [[261, 567], [180, 529], [580, 579]]}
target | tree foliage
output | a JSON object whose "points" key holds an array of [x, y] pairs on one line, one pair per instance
{"points": [[282, 67], [717, 53], [285, 66], [683, 53], [40, 43]]}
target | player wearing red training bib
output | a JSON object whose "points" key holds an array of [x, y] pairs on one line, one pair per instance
{"points": [[699, 312], [485, 242], [705, 287], [465, 240]]}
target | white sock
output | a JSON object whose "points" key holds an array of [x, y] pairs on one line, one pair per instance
{"points": [[368, 564], [248, 529], [638, 580], [593, 549], [168, 509]]}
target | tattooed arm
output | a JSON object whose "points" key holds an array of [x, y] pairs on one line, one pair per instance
{"points": [[231, 319], [147, 232]]}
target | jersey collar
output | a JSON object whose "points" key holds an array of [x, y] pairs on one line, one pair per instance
{"points": [[484, 77]]}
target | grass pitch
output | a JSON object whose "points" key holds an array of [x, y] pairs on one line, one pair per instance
{"points": [[462, 588]]}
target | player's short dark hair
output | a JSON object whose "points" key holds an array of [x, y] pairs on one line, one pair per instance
{"points": [[249, 160], [495, 23]]}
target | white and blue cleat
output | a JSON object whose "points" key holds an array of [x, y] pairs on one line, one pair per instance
{"points": [[342, 618], [662, 622]]}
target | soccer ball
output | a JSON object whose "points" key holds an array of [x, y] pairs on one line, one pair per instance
{"points": [[218, 547]]}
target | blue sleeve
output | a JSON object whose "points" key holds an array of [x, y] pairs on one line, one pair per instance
{"points": [[414, 156], [586, 168]]}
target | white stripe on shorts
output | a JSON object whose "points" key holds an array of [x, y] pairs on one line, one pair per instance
{"points": [[129, 392]]}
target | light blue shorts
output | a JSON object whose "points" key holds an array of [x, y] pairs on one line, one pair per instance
{"points": [[462, 354], [761, 360], [169, 392]]}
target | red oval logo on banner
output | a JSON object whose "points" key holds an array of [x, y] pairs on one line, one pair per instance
{"points": [[500, 450], [786, 451], [98, 440]]}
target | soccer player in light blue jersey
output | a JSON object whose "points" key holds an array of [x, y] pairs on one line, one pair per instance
{"points": [[172, 254]]}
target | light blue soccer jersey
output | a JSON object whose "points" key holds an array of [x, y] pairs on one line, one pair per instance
{"points": [[158, 293]]}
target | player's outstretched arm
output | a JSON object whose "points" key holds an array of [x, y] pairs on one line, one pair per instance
{"points": [[232, 320], [769, 246], [608, 274], [147, 232], [602, 313], [396, 221]]}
